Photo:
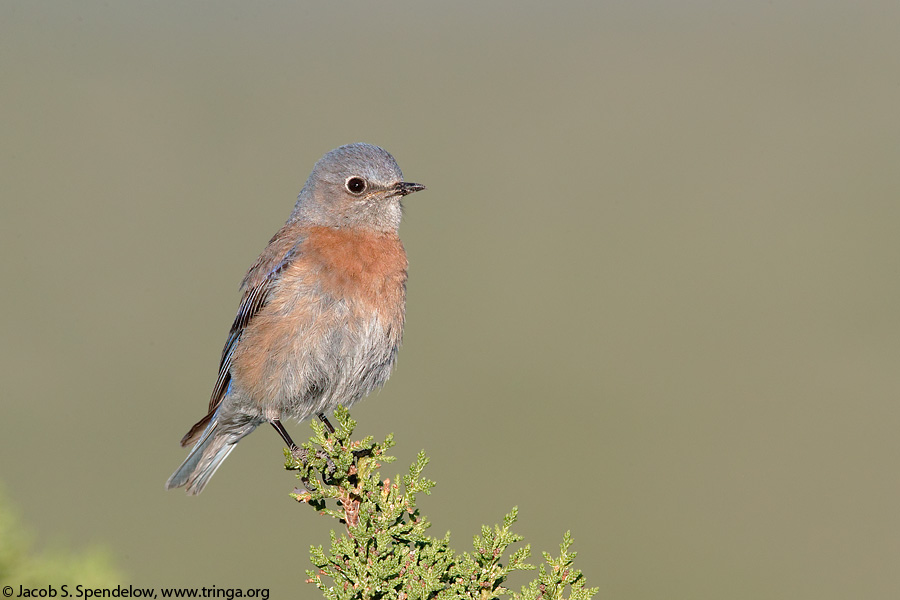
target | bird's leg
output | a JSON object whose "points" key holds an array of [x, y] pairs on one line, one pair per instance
{"points": [[324, 419], [285, 435], [301, 454]]}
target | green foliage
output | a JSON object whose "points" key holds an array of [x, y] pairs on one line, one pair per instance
{"points": [[19, 565], [552, 584], [385, 552]]}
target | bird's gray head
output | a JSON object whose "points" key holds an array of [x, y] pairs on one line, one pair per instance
{"points": [[358, 185]]}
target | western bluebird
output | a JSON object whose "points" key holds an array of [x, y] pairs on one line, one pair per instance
{"points": [[321, 314]]}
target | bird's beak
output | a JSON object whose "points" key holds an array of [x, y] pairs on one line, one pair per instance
{"points": [[405, 188]]}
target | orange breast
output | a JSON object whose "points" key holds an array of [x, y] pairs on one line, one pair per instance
{"points": [[364, 266], [302, 332]]}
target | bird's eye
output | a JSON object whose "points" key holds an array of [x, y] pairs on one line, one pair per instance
{"points": [[356, 185]]}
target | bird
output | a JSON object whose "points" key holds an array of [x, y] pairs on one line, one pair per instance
{"points": [[322, 310]]}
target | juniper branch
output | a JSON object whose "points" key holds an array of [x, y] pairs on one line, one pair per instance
{"points": [[384, 550]]}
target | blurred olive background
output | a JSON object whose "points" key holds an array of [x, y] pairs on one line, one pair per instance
{"points": [[653, 294]]}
